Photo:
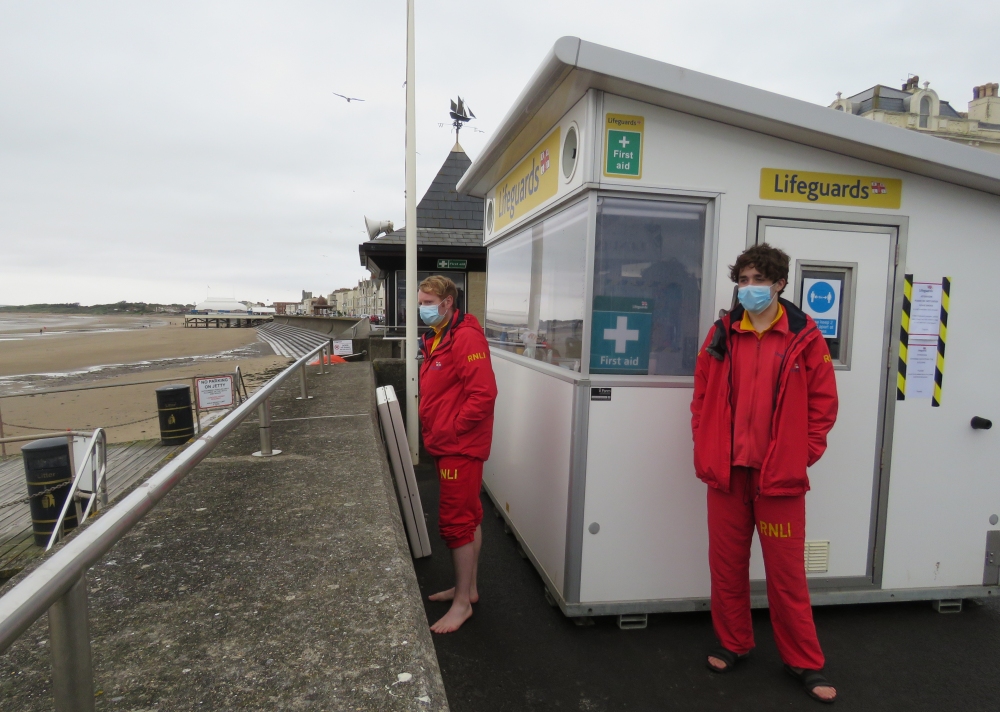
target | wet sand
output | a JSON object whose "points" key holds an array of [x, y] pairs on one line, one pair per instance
{"points": [[120, 351], [113, 340]]}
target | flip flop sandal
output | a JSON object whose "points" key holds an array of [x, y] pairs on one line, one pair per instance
{"points": [[811, 679], [727, 656]]}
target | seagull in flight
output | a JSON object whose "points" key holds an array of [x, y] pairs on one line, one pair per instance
{"points": [[348, 98]]}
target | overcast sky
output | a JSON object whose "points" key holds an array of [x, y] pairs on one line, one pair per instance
{"points": [[163, 151]]}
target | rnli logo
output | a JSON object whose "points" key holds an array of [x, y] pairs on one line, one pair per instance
{"points": [[827, 359], [477, 357], [777, 531], [449, 474]]}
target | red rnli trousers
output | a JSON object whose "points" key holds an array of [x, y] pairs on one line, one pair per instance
{"points": [[459, 509], [780, 524]]}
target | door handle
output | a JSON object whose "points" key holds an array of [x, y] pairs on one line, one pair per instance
{"points": [[981, 423]]}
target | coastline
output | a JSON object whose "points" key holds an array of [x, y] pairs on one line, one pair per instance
{"points": [[115, 350]]}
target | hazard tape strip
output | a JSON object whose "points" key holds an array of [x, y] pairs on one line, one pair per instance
{"points": [[904, 337], [942, 340]]}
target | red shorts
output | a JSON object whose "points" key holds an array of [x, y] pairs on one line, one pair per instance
{"points": [[459, 510]]}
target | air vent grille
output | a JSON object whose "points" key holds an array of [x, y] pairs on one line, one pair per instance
{"points": [[817, 557]]}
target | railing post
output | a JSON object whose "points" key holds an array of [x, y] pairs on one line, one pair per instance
{"points": [[72, 672], [322, 358], [302, 384], [104, 470], [264, 416], [3, 446]]}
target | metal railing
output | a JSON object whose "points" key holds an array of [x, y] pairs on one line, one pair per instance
{"points": [[97, 457], [59, 584]]}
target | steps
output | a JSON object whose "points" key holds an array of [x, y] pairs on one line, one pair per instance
{"points": [[290, 341]]}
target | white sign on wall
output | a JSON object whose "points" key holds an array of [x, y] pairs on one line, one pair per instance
{"points": [[821, 301], [342, 347], [921, 353], [215, 392]]}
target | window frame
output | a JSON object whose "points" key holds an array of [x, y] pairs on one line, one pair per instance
{"points": [[591, 193], [849, 270]]}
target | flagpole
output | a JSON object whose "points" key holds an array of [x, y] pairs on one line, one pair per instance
{"points": [[412, 365]]}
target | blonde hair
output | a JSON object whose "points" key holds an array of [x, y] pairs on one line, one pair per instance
{"points": [[440, 286]]}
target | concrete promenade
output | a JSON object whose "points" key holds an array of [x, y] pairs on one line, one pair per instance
{"points": [[261, 584]]}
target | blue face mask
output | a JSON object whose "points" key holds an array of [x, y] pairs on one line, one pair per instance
{"points": [[755, 298], [429, 314]]}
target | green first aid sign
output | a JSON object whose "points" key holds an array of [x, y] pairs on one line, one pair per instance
{"points": [[623, 145], [620, 335]]}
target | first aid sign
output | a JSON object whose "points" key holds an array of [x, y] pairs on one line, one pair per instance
{"points": [[821, 301]]}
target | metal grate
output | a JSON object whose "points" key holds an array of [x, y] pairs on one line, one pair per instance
{"points": [[817, 557]]}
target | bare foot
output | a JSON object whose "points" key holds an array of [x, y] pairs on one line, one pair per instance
{"points": [[453, 619], [716, 663], [449, 595]]}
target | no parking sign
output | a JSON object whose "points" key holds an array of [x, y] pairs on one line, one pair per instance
{"points": [[821, 301]]}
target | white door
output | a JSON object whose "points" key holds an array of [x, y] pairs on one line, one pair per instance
{"points": [[846, 272]]}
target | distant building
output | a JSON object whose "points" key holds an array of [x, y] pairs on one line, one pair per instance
{"points": [[306, 295], [287, 308], [220, 305], [315, 306], [449, 242], [920, 109], [336, 300]]}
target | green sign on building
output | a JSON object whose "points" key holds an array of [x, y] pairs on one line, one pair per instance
{"points": [[453, 264], [623, 145]]}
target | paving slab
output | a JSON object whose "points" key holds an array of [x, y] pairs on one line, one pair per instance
{"points": [[261, 584]]}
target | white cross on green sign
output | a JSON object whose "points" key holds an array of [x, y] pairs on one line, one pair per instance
{"points": [[623, 145]]}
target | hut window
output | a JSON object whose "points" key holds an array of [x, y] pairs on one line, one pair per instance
{"points": [[648, 268], [535, 289]]}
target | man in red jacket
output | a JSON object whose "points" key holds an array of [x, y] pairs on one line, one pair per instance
{"points": [[765, 398], [457, 393]]}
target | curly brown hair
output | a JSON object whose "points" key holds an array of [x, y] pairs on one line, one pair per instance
{"points": [[769, 261]]}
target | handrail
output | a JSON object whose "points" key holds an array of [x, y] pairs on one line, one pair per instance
{"points": [[56, 576], [99, 437], [41, 436]]}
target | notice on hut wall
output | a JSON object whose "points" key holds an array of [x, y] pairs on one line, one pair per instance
{"points": [[830, 188], [922, 349]]}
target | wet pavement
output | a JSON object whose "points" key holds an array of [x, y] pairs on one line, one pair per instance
{"points": [[518, 654]]}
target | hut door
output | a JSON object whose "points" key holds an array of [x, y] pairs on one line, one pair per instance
{"points": [[842, 275]]}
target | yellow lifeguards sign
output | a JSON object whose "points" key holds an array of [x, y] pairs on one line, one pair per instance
{"points": [[530, 184], [830, 188]]}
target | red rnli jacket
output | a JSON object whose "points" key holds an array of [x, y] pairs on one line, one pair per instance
{"points": [[457, 391], [804, 398]]}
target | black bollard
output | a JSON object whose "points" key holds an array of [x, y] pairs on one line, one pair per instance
{"points": [[176, 418], [47, 467]]}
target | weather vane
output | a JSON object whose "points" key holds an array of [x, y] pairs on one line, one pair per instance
{"points": [[461, 115]]}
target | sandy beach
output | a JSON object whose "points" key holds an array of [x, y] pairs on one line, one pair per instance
{"points": [[112, 350]]}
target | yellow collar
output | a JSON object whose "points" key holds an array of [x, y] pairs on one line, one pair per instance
{"points": [[747, 325]]}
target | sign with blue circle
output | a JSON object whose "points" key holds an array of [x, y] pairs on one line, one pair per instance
{"points": [[821, 301]]}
